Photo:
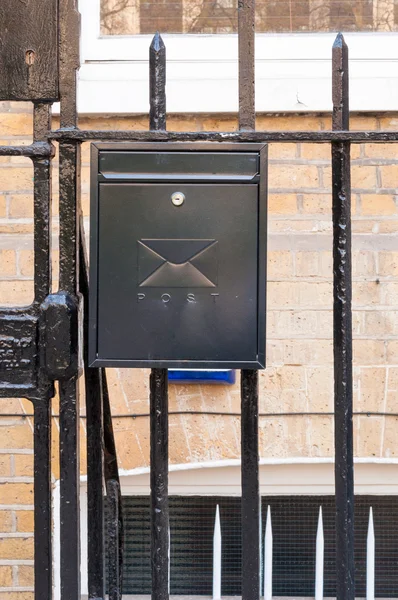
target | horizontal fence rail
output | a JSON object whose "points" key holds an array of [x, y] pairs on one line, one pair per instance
{"points": [[317, 137]]}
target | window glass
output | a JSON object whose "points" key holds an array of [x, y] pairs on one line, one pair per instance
{"points": [[131, 17]]}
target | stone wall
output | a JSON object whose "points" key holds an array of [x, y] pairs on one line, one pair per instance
{"points": [[299, 376]]}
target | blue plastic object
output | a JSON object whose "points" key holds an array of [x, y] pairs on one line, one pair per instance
{"points": [[216, 376]]}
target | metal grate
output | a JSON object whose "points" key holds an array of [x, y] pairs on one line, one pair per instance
{"points": [[191, 549], [294, 527]]}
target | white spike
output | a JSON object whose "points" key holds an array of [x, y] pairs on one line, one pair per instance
{"points": [[268, 556], [217, 556], [370, 559], [169, 561], [261, 547], [319, 563]]}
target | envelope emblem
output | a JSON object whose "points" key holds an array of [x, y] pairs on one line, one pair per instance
{"points": [[177, 263]]}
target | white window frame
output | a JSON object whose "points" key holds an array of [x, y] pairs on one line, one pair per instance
{"points": [[278, 477], [293, 71]]}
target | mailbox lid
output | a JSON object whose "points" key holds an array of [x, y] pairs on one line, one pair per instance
{"points": [[181, 166], [203, 319]]}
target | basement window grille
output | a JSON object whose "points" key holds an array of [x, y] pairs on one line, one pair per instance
{"points": [[294, 530]]}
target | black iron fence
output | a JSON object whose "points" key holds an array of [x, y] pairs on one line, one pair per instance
{"points": [[41, 345]]}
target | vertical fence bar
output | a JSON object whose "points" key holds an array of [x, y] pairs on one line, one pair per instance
{"points": [[319, 560], [262, 550], [95, 477], [246, 31], [112, 493], [42, 499], [217, 556], [157, 84], [249, 379], [111, 472], [159, 484], [95, 465], [42, 206], [69, 489], [268, 557], [69, 200], [342, 328], [250, 486], [69, 212], [69, 151], [42, 406], [370, 559], [159, 378]]}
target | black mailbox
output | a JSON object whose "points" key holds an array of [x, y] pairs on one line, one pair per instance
{"points": [[178, 255]]}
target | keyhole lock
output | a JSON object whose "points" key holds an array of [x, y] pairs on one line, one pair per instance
{"points": [[178, 198]]}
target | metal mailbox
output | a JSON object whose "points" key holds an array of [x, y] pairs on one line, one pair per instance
{"points": [[178, 255]]}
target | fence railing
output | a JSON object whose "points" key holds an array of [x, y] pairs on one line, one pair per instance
{"points": [[56, 358]]}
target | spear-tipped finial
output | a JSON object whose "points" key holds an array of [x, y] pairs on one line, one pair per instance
{"points": [[157, 43], [157, 83], [339, 42], [340, 84]]}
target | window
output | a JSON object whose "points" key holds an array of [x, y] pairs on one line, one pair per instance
{"points": [[132, 17], [294, 529], [279, 478], [293, 54]]}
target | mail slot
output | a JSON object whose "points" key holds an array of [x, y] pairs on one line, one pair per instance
{"points": [[178, 255]]}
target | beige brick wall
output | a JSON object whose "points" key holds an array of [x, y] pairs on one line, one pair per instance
{"points": [[16, 502], [299, 376]]}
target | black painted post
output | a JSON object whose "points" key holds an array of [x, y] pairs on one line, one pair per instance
{"points": [[95, 463], [69, 213], [342, 325], [249, 379], [42, 404], [95, 508], [246, 37], [42, 205], [42, 499], [157, 84], [112, 492], [69, 185], [250, 486], [111, 474], [159, 378], [159, 484], [246, 31]]}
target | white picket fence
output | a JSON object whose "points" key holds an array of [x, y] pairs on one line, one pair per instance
{"points": [[268, 555]]}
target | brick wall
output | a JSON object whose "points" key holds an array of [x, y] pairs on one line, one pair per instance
{"points": [[299, 377]]}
